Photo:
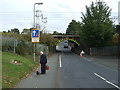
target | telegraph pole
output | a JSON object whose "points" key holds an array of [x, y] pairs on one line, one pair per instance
{"points": [[118, 31], [35, 25]]}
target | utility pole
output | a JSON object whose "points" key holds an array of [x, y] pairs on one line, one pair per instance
{"points": [[118, 31], [35, 24], [119, 12]]}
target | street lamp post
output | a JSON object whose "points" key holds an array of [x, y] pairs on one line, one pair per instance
{"points": [[34, 23], [34, 13]]}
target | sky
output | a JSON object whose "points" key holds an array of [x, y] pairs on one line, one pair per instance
{"points": [[59, 13]]}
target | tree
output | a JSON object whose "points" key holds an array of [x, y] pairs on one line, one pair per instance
{"points": [[4, 31], [56, 33], [74, 28], [15, 30], [25, 31], [115, 38], [48, 39], [8, 31], [24, 48], [97, 25]]}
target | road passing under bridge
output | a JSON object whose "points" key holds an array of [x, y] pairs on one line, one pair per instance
{"points": [[76, 72]]}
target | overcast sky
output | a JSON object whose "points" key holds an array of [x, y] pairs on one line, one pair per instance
{"points": [[59, 13]]}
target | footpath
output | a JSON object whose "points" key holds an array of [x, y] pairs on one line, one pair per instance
{"points": [[42, 81]]}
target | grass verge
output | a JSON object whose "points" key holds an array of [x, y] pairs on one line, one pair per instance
{"points": [[12, 73], [0, 70]]}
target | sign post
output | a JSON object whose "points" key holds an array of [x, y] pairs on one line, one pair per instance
{"points": [[35, 38]]}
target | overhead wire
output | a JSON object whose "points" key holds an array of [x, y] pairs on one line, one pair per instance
{"points": [[23, 16]]}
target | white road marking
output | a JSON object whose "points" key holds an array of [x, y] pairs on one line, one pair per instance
{"points": [[107, 81], [60, 60], [100, 76], [113, 84]]}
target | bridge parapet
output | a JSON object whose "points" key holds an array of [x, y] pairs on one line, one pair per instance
{"points": [[66, 36]]}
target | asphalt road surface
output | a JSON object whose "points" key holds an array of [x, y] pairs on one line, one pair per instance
{"points": [[76, 72], [68, 70]]}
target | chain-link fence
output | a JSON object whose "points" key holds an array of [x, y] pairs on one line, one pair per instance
{"points": [[8, 43], [11, 44]]}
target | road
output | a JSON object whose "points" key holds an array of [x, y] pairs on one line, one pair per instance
{"points": [[76, 72], [68, 70]]}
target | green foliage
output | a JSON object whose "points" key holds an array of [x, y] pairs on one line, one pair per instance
{"points": [[8, 31], [115, 38], [25, 37], [74, 28], [117, 28], [8, 41], [22, 42], [24, 45], [0, 69], [15, 35], [56, 33], [15, 30], [97, 25], [24, 48], [4, 31], [47, 39], [25, 31], [12, 74]]}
